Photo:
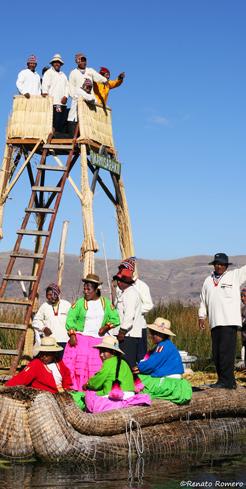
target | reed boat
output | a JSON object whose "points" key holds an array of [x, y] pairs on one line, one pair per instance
{"points": [[53, 429]]}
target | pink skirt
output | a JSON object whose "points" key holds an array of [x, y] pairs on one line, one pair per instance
{"points": [[82, 360], [98, 404]]}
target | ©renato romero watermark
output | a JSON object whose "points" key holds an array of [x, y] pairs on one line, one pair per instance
{"points": [[212, 484]]}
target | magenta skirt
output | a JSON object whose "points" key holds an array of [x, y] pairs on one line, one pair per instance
{"points": [[82, 360], [98, 404]]}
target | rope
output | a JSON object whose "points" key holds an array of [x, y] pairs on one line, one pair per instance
{"points": [[134, 436]]}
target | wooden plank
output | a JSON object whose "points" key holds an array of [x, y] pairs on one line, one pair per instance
{"points": [[17, 278], [20, 254], [32, 232], [12, 326], [38, 188], [58, 146], [8, 352], [39, 210], [51, 168], [15, 301]]}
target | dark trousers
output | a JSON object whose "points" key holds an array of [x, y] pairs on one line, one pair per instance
{"points": [[59, 117], [224, 340], [130, 347], [61, 353], [142, 345]]}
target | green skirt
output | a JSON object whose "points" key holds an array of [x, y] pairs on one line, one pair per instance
{"points": [[178, 391]]}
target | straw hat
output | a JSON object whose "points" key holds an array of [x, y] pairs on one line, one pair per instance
{"points": [[110, 343], [48, 344], [91, 277], [57, 57], [162, 326]]}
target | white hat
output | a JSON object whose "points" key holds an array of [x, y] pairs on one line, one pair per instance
{"points": [[110, 343], [162, 326], [57, 57], [48, 343]]}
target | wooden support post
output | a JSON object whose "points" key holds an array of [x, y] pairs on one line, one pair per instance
{"points": [[61, 256], [89, 246], [4, 177], [102, 184]]}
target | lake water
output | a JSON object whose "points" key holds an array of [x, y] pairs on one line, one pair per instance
{"points": [[221, 467]]}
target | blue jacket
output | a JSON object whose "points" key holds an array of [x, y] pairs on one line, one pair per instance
{"points": [[164, 360]]}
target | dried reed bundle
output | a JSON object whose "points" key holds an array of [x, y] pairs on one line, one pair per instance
{"points": [[124, 225], [31, 118], [89, 245], [95, 124]]}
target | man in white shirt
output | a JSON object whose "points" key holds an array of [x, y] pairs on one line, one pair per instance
{"points": [[220, 301], [55, 84], [51, 316], [146, 300], [131, 321], [76, 81], [28, 80]]}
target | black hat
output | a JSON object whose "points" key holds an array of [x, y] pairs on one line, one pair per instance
{"points": [[221, 258]]}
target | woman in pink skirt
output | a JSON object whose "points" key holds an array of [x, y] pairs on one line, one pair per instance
{"points": [[89, 318]]}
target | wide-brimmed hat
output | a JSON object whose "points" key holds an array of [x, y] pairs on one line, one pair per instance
{"points": [[92, 277], [57, 57], [124, 275], [162, 326], [220, 258], [48, 344], [110, 343]]}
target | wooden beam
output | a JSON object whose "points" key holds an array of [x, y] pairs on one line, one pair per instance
{"points": [[94, 180], [71, 181], [61, 256], [102, 184], [11, 185], [117, 189], [51, 198]]}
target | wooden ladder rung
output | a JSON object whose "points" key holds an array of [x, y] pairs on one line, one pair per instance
{"points": [[12, 326], [51, 168], [39, 210], [33, 232], [46, 189], [18, 278], [20, 254], [8, 352], [15, 301], [57, 146]]}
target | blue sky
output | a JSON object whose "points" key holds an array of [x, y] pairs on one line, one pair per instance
{"points": [[179, 119]]}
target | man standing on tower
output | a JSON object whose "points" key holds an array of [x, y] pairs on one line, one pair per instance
{"points": [[28, 80], [55, 84], [220, 301], [77, 78], [102, 90]]}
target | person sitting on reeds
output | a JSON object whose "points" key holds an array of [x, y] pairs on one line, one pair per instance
{"points": [[44, 373], [113, 386], [160, 372]]}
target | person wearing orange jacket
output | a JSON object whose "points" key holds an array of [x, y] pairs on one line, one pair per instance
{"points": [[101, 90]]}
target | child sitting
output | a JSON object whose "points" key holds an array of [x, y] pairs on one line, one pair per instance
{"points": [[161, 373], [45, 372], [113, 386]]}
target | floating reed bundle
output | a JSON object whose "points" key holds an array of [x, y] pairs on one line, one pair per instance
{"points": [[53, 429], [95, 124], [31, 117]]}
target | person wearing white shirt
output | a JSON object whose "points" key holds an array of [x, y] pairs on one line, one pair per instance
{"points": [[131, 320], [220, 301], [51, 317], [55, 84], [76, 81], [146, 300], [28, 80]]}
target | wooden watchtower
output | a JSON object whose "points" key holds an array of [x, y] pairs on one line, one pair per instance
{"points": [[29, 134]]}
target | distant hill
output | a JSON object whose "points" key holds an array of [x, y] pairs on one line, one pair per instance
{"points": [[169, 280]]}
